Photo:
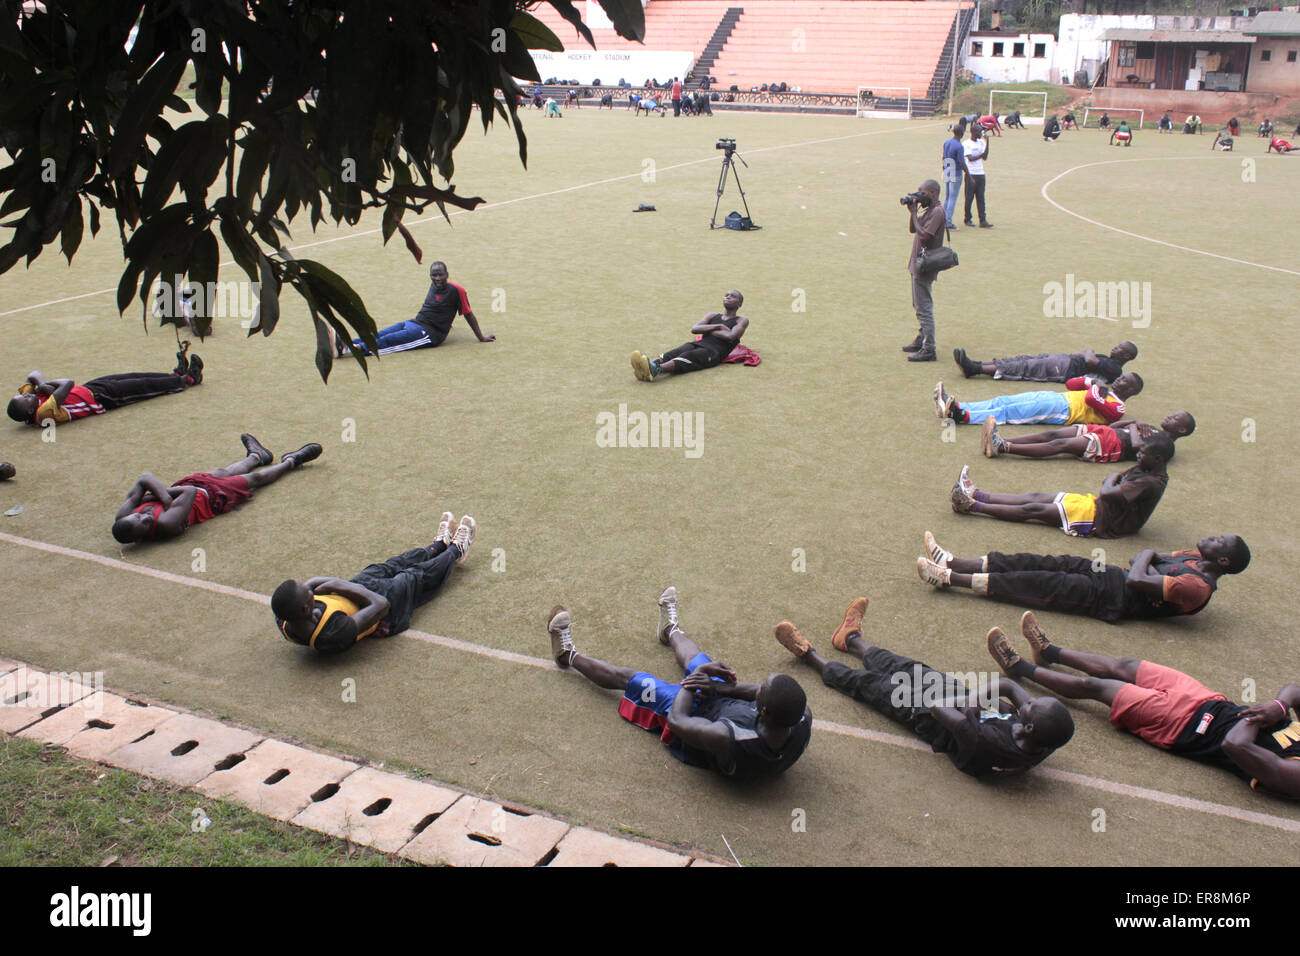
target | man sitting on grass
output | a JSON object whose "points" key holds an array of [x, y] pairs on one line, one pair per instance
{"points": [[330, 615], [720, 331], [746, 731], [444, 301], [154, 512], [1171, 710], [1156, 584], [1100, 443], [1051, 366], [1124, 504], [63, 400], [1086, 401], [938, 707]]}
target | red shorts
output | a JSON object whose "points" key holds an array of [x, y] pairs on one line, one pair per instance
{"points": [[1160, 704], [1103, 443], [216, 495]]}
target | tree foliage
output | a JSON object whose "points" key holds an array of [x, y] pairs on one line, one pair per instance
{"points": [[316, 108]]}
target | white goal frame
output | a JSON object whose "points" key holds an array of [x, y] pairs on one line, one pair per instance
{"points": [[873, 93], [1030, 121], [1111, 109]]}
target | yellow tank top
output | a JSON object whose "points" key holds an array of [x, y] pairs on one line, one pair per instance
{"points": [[334, 604]]}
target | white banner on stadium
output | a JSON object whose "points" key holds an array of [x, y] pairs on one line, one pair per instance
{"points": [[610, 66]]}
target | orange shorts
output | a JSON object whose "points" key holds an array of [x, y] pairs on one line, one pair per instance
{"points": [[1158, 706]]}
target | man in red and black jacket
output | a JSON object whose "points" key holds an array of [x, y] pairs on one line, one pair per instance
{"points": [[1155, 585], [429, 328]]}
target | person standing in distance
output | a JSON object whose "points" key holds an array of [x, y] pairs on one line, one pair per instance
{"points": [[954, 162], [977, 150], [925, 223]]}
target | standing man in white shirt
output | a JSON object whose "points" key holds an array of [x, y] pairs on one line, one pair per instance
{"points": [[977, 150]]}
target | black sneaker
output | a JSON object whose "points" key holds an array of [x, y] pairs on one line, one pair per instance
{"points": [[967, 222], [196, 370], [255, 447], [924, 355], [916, 343], [303, 455], [986, 224], [7, 471], [182, 364]]}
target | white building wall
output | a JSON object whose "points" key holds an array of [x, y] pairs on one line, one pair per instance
{"points": [[1008, 68]]}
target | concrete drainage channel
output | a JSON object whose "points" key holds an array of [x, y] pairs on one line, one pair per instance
{"points": [[391, 813]]}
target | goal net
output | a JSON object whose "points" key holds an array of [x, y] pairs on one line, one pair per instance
{"points": [[1032, 106], [1094, 111], [884, 102]]}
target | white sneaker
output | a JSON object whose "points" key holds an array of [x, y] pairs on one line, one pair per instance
{"points": [[444, 527], [938, 554], [932, 573], [557, 626], [667, 613], [942, 401], [464, 537], [964, 480]]}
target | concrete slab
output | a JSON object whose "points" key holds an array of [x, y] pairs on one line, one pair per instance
{"points": [[119, 722], [377, 809], [28, 694], [8, 665], [475, 832], [184, 749], [295, 774], [583, 847]]}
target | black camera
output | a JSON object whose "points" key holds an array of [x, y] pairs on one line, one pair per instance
{"points": [[728, 144], [911, 199]]}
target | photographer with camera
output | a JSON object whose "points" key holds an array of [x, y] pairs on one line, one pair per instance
{"points": [[926, 224]]}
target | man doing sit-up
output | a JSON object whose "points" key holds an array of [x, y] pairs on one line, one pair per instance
{"points": [[1171, 710], [938, 707], [746, 731]]}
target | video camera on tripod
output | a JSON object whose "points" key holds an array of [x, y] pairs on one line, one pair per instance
{"points": [[729, 157]]}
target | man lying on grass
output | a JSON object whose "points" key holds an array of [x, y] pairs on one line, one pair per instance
{"points": [[720, 331], [1084, 402], [980, 732], [1051, 366], [1099, 443], [746, 731], [154, 512], [1170, 710], [1155, 585], [1124, 504], [63, 400], [330, 615]]}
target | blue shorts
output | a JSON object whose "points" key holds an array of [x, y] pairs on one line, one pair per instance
{"points": [[647, 699]]}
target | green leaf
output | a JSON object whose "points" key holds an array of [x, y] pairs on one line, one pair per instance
{"points": [[268, 298], [628, 17], [142, 109], [73, 224], [535, 34]]}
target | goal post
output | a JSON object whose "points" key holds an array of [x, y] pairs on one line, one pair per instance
{"points": [[1112, 109], [1022, 100], [884, 102]]}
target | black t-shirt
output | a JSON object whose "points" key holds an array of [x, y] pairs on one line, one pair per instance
{"points": [[1282, 738], [1125, 513], [751, 758], [721, 347], [441, 308], [1107, 368], [984, 743]]}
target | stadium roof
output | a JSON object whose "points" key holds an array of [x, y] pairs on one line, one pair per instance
{"points": [[1176, 36], [1274, 23]]}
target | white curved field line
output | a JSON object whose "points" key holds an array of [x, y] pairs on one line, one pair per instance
{"points": [[1134, 235], [1095, 783], [510, 202]]}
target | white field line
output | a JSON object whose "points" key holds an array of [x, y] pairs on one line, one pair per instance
{"points": [[505, 202], [893, 740], [1134, 235]]}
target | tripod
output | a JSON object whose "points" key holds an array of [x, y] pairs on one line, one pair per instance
{"points": [[727, 164]]}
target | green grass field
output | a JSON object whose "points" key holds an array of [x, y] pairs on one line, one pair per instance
{"points": [[830, 447]]}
